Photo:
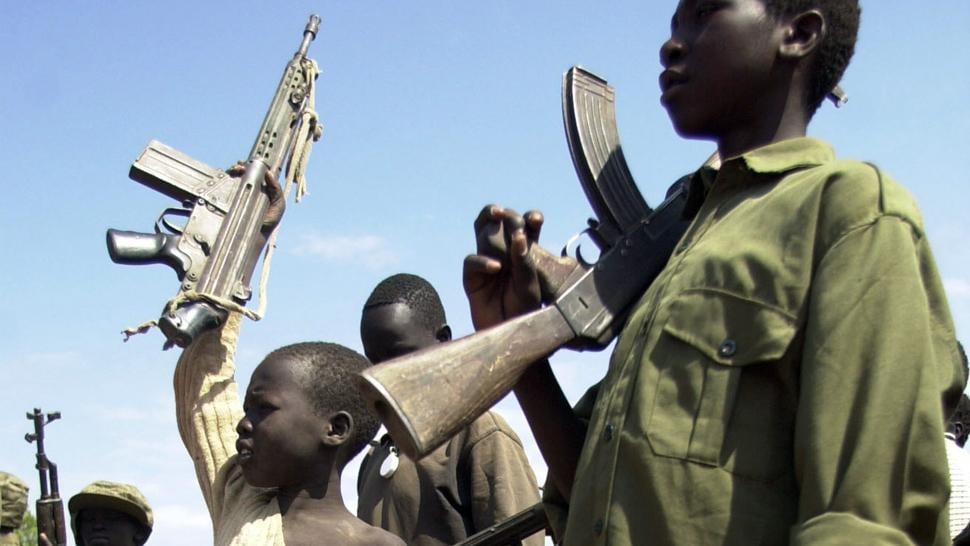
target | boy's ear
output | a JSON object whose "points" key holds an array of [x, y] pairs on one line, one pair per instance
{"points": [[340, 425], [443, 333], [803, 34]]}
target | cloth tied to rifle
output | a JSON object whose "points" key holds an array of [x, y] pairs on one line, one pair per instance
{"points": [[310, 131]]}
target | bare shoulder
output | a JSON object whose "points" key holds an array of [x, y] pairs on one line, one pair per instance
{"points": [[343, 529], [375, 535]]}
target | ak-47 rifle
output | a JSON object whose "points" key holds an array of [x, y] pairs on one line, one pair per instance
{"points": [[215, 253], [50, 507], [588, 304]]}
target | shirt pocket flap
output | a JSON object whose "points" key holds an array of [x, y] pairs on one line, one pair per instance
{"points": [[728, 329]]}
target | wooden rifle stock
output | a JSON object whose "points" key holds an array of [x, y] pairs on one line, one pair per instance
{"points": [[425, 397]]}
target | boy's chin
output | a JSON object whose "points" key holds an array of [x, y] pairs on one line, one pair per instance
{"points": [[685, 128], [255, 478]]}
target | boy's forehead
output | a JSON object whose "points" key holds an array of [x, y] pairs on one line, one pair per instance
{"points": [[275, 371]]}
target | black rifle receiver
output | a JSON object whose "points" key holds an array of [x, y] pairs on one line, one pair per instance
{"points": [[50, 507]]}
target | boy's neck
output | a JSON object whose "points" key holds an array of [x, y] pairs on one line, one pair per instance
{"points": [[788, 119], [322, 496]]}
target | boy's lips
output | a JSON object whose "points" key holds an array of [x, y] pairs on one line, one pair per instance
{"points": [[244, 450], [670, 78]]}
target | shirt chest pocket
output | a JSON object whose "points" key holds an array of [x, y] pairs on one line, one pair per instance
{"points": [[715, 345]]}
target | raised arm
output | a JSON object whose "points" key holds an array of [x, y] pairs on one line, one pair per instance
{"points": [[207, 403]]}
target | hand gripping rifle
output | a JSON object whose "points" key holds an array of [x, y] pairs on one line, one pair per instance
{"points": [[424, 398], [215, 252], [50, 507]]}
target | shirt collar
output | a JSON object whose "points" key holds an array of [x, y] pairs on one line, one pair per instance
{"points": [[776, 158], [786, 155]]}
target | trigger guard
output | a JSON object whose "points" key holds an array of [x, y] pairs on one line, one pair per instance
{"points": [[579, 253], [169, 227]]}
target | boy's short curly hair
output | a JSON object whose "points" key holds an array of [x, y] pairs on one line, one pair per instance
{"points": [[838, 44], [328, 371], [413, 291]]}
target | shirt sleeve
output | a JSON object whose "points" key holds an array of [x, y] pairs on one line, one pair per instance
{"points": [[879, 360], [207, 405], [501, 480]]}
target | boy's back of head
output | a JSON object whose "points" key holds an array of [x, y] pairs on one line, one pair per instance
{"points": [[836, 47], [403, 314], [413, 291]]}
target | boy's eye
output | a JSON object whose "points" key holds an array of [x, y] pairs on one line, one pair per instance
{"points": [[706, 9]]}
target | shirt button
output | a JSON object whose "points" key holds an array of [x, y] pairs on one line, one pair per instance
{"points": [[728, 348], [598, 527], [608, 432], [683, 247]]}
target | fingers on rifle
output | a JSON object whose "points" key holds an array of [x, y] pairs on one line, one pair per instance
{"points": [[489, 213], [237, 169], [277, 205], [533, 225], [272, 186], [476, 264]]}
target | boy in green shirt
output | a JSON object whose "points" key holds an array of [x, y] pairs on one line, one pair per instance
{"points": [[784, 380]]}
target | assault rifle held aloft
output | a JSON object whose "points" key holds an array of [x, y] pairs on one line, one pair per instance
{"points": [[586, 305], [50, 507], [215, 252]]}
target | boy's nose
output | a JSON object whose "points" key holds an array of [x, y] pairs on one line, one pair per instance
{"points": [[671, 51], [244, 427]]}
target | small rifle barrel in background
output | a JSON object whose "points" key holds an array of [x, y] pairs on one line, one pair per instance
{"points": [[50, 507]]}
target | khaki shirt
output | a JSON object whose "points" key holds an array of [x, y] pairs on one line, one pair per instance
{"points": [[783, 380], [476, 479]]}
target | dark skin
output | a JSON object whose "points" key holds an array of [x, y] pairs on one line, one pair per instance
{"points": [[760, 66], [105, 527], [390, 331], [285, 442]]}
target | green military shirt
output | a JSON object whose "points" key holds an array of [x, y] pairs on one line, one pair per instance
{"points": [[783, 380]]}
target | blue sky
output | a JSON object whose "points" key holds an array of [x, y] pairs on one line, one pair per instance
{"points": [[431, 109]]}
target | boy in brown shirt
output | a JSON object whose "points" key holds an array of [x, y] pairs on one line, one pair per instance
{"points": [[478, 478]]}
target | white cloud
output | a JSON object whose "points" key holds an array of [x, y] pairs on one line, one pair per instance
{"points": [[956, 288], [369, 251], [182, 517]]}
